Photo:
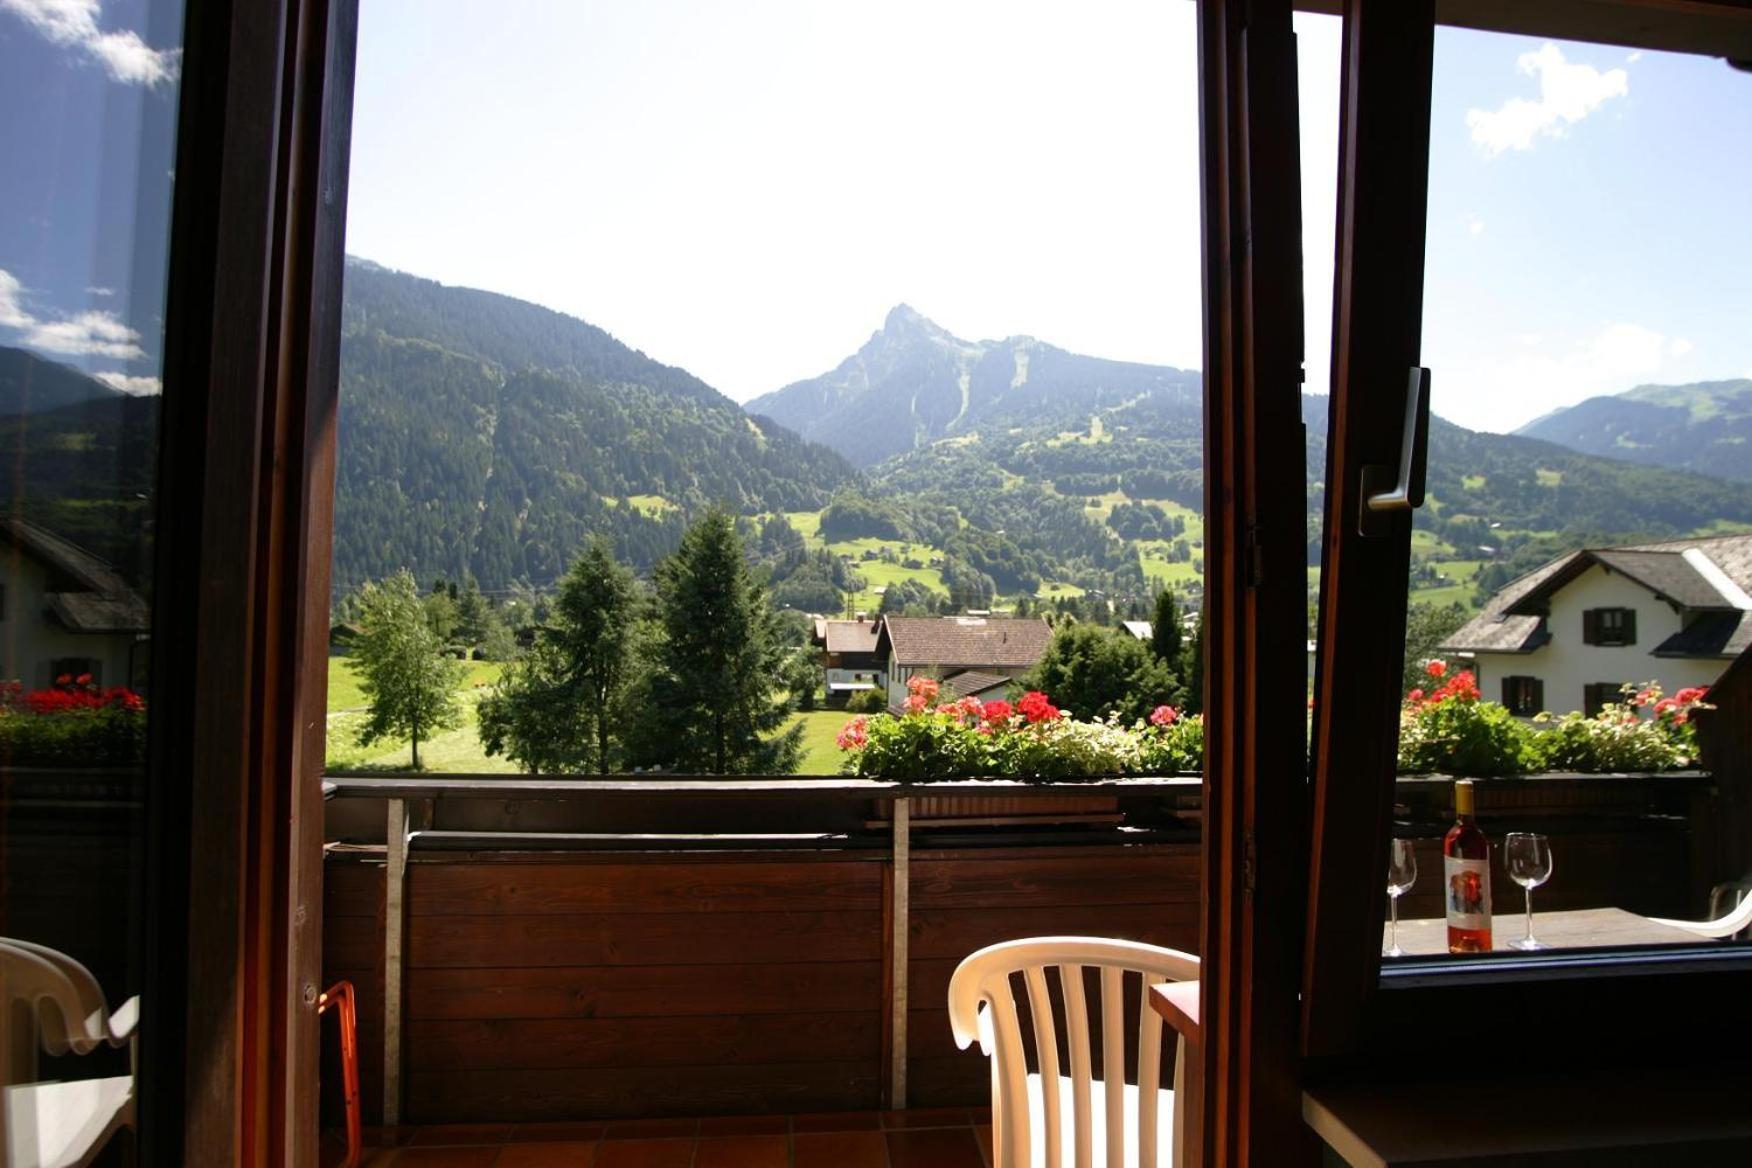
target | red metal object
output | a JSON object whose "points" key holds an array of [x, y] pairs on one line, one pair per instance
{"points": [[341, 995]]}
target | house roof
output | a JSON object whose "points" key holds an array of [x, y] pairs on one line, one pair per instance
{"points": [[969, 642], [1142, 630], [103, 602], [971, 683], [1709, 577], [850, 636]]}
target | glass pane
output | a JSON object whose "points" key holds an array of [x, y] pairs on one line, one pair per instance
{"points": [[1581, 569], [88, 103]]}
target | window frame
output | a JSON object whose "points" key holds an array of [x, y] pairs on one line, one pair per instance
{"points": [[1360, 1019], [1611, 627], [1523, 694]]}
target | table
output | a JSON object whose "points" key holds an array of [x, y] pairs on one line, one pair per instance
{"points": [[1567, 929]]}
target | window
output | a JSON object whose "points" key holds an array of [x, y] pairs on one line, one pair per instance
{"points": [[1524, 696], [1596, 696], [74, 668], [1609, 626]]}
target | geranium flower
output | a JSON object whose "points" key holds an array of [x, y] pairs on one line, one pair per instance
{"points": [[917, 703], [996, 711], [1415, 696], [1437, 668], [1690, 694], [1037, 707], [855, 734], [1164, 716], [924, 687]]}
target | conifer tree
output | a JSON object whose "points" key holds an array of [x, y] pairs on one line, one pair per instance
{"points": [[1165, 629], [409, 685], [715, 698]]}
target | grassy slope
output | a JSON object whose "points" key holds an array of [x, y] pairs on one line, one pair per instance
{"points": [[457, 750], [820, 728]]}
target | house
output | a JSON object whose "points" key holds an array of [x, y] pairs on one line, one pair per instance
{"points": [[849, 658], [941, 647], [64, 612], [1142, 630], [1568, 635]]}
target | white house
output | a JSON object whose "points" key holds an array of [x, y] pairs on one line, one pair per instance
{"points": [[64, 611], [988, 652], [1568, 635]]}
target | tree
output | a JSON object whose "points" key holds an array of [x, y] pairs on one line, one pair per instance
{"points": [[715, 698], [559, 707], [1426, 627], [409, 685], [1192, 669], [1093, 672], [1165, 629]]}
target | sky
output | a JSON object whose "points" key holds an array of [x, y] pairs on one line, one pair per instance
{"points": [[746, 189]]}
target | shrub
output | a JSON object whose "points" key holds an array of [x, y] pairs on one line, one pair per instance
{"points": [[1450, 730], [867, 701], [71, 724], [1620, 738]]}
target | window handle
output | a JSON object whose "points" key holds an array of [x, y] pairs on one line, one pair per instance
{"points": [[1388, 489]]}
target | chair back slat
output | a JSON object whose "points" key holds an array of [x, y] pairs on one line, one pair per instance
{"points": [[1149, 1076], [1010, 1106], [983, 1004], [1077, 1024], [1046, 1056], [1113, 1062]]}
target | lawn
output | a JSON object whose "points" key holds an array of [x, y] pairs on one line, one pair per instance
{"points": [[457, 750], [820, 727]]}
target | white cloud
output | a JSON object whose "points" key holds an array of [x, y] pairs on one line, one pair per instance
{"points": [[1567, 94], [1506, 390], [94, 290], [73, 24], [89, 334], [1679, 347], [137, 386], [1472, 223], [1633, 58], [12, 313]]}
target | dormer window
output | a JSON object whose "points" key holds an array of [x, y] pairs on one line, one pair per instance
{"points": [[1609, 626]]}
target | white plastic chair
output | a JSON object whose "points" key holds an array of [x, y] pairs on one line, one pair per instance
{"points": [[57, 1124], [1132, 1122], [1735, 921]]}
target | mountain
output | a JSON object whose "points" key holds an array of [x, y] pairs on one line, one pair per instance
{"points": [[30, 384], [1030, 463], [913, 383], [1704, 427], [483, 435]]}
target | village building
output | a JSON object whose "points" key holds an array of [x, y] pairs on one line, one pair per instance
{"points": [[849, 657], [66, 613], [982, 649], [1572, 633]]}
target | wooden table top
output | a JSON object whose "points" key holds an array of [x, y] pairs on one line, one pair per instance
{"points": [[1568, 929]]}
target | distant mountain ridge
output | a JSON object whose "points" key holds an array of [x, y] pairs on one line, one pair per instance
{"points": [[1704, 427]]}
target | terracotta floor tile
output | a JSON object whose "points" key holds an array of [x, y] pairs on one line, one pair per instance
{"points": [[933, 1148], [672, 1153], [842, 1149], [768, 1151], [461, 1157], [745, 1125], [541, 1133], [547, 1155], [926, 1117], [651, 1129], [451, 1134], [837, 1121]]}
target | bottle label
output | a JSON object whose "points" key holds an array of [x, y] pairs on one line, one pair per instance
{"points": [[1466, 892]]}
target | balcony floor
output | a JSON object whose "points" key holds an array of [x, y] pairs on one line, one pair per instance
{"points": [[936, 1138]]}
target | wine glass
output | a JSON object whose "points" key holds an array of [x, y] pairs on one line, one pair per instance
{"points": [[1528, 857], [1401, 875]]}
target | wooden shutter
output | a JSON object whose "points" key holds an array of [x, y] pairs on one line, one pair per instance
{"points": [[1535, 695], [1627, 626], [1591, 626]]}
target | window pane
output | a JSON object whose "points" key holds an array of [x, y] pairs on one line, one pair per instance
{"points": [[88, 104], [1584, 552]]}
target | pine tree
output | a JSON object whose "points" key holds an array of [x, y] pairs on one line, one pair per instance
{"points": [[715, 696], [559, 707], [409, 685], [1192, 668], [1165, 629]]}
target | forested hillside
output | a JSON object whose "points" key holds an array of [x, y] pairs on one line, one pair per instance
{"points": [[1704, 427], [484, 436]]}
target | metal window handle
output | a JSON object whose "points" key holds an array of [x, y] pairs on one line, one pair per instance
{"points": [[1388, 489]]}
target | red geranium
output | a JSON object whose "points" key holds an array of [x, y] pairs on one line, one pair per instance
{"points": [[1037, 707], [997, 711], [1164, 716]]}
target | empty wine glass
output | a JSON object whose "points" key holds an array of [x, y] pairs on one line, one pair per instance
{"points": [[1401, 875], [1528, 857]]}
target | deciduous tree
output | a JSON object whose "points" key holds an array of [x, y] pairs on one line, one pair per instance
{"points": [[409, 685]]}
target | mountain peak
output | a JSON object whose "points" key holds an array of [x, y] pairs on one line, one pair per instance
{"points": [[904, 318]]}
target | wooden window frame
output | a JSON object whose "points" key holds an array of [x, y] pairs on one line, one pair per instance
{"points": [[1610, 627], [1523, 694], [1361, 1021]]}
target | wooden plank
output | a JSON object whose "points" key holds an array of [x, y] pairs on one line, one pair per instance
{"points": [[354, 942], [1109, 879], [651, 887], [352, 889], [720, 1039], [954, 933], [619, 1092], [394, 955], [663, 939], [643, 990], [501, 787], [900, 925]]}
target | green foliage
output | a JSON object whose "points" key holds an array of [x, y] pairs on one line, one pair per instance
{"points": [[868, 701], [910, 598], [714, 697], [1095, 672], [1426, 627], [104, 737], [853, 515], [408, 684], [1192, 669], [560, 707], [1165, 633], [1620, 738]]}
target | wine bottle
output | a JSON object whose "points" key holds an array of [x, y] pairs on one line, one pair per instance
{"points": [[1466, 877]]}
